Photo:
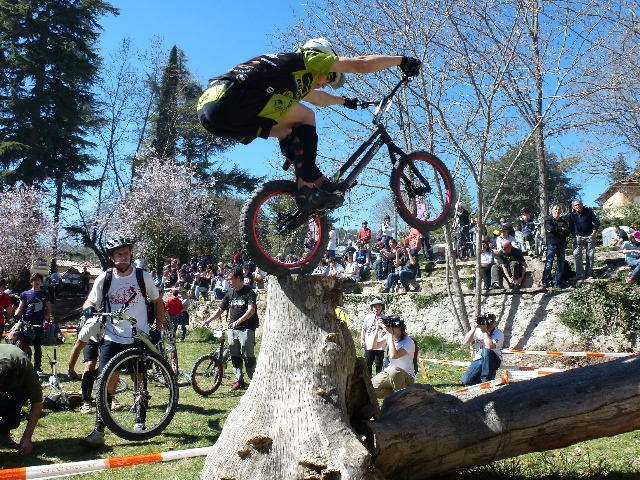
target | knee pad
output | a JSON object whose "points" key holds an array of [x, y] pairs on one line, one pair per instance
{"points": [[236, 362], [305, 138]]}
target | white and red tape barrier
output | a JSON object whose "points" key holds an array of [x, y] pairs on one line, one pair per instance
{"points": [[76, 468]]}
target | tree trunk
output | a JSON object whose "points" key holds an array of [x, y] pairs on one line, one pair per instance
{"points": [[309, 393], [295, 420], [423, 433]]}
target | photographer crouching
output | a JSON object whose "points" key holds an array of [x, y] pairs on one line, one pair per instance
{"points": [[488, 350], [399, 374]]}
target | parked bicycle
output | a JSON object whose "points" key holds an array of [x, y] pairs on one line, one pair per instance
{"points": [[148, 407], [272, 226], [168, 349], [208, 370], [539, 245]]}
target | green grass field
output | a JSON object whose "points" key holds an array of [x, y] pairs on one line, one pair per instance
{"points": [[199, 421]]}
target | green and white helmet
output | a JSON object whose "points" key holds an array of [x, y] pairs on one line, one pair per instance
{"points": [[323, 45]]}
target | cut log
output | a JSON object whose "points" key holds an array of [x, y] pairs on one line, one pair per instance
{"points": [[295, 419], [423, 433]]}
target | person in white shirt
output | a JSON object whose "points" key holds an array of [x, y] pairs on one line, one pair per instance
{"points": [[335, 268], [371, 334], [333, 242], [489, 341], [400, 373], [351, 269]]}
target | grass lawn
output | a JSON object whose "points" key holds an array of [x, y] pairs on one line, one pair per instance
{"points": [[199, 421]]}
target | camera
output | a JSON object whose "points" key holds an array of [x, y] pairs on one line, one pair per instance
{"points": [[392, 321], [485, 319]]}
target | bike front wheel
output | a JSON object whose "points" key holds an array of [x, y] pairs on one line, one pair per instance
{"points": [[206, 375], [147, 407], [274, 232], [421, 183]]}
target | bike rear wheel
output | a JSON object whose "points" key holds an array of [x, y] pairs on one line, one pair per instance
{"points": [[428, 186], [152, 404], [270, 226], [206, 375]]}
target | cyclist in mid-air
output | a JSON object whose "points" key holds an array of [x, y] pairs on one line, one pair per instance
{"points": [[260, 98]]}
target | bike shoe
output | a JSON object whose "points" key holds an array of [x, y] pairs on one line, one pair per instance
{"points": [[86, 408], [312, 198], [95, 439], [237, 386], [139, 427]]}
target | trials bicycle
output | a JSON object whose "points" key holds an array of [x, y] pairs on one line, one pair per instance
{"points": [[148, 407], [271, 226], [208, 370]]}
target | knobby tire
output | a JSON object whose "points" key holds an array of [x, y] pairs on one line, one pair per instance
{"points": [[263, 214], [158, 402], [439, 202], [206, 375]]}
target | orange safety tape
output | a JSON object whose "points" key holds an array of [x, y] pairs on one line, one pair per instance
{"points": [[19, 473], [133, 460]]}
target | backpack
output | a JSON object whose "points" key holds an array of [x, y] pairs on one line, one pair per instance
{"points": [[50, 336], [151, 311]]}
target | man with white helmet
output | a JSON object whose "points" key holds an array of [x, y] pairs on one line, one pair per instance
{"points": [[260, 98], [372, 337]]}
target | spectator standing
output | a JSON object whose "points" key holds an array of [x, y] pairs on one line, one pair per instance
{"points": [[527, 229], [56, 284], [425, 239], [236, 258], [584, 224], [6, 305], [35, 308], [183, 319], [258, 277], [399, 374], [364, 261], [513, 265], [333, 242], [364, 235], [373, 338], [309, 242], [388, 230], [488, 341], [504, 223], [75, 277], [18, 383], [557, 229], [631, 250], [490, 272], [240, 301], [85, 278], [173, 306]]}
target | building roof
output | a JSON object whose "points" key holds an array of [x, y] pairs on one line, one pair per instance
{"points": [[632, 180]]}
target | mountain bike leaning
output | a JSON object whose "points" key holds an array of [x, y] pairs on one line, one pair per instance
{"points": [[168, 349], [271, 225], [208, 370], [148, 406]]}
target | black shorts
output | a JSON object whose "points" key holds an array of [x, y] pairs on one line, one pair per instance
{"points": [[109, 349], [242, 114], [91, 351]]}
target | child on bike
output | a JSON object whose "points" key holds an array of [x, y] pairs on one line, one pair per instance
{"points": [[260, 98]]}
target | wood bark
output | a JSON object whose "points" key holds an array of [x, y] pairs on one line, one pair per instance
{"points": [[295, 419], [310, 413]]}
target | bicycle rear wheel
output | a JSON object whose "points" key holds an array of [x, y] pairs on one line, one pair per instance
{"points": [[147, 407], [206, 375], [424, 186], [272, 228]]}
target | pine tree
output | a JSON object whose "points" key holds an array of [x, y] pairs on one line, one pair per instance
{"points": [[619, 169], [47, 66]]}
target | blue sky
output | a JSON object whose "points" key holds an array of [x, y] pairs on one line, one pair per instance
{"points": [[216, 36]]}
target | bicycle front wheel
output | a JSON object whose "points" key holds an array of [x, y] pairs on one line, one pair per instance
{"points": [[206, 375], [274, 232], [147, 407], [423, 191]]}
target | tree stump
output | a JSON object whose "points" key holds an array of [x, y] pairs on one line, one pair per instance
{"points": [[295, 419]]}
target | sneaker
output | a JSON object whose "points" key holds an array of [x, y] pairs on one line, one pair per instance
{"points": [[39, 372], [237, 386], [384, 290], [139, 427], [115, 404], [495, 286], [405, 290], [312, 198], [631, 279], [95, 439], [6, 442], [86, 408], [577, 277]]}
